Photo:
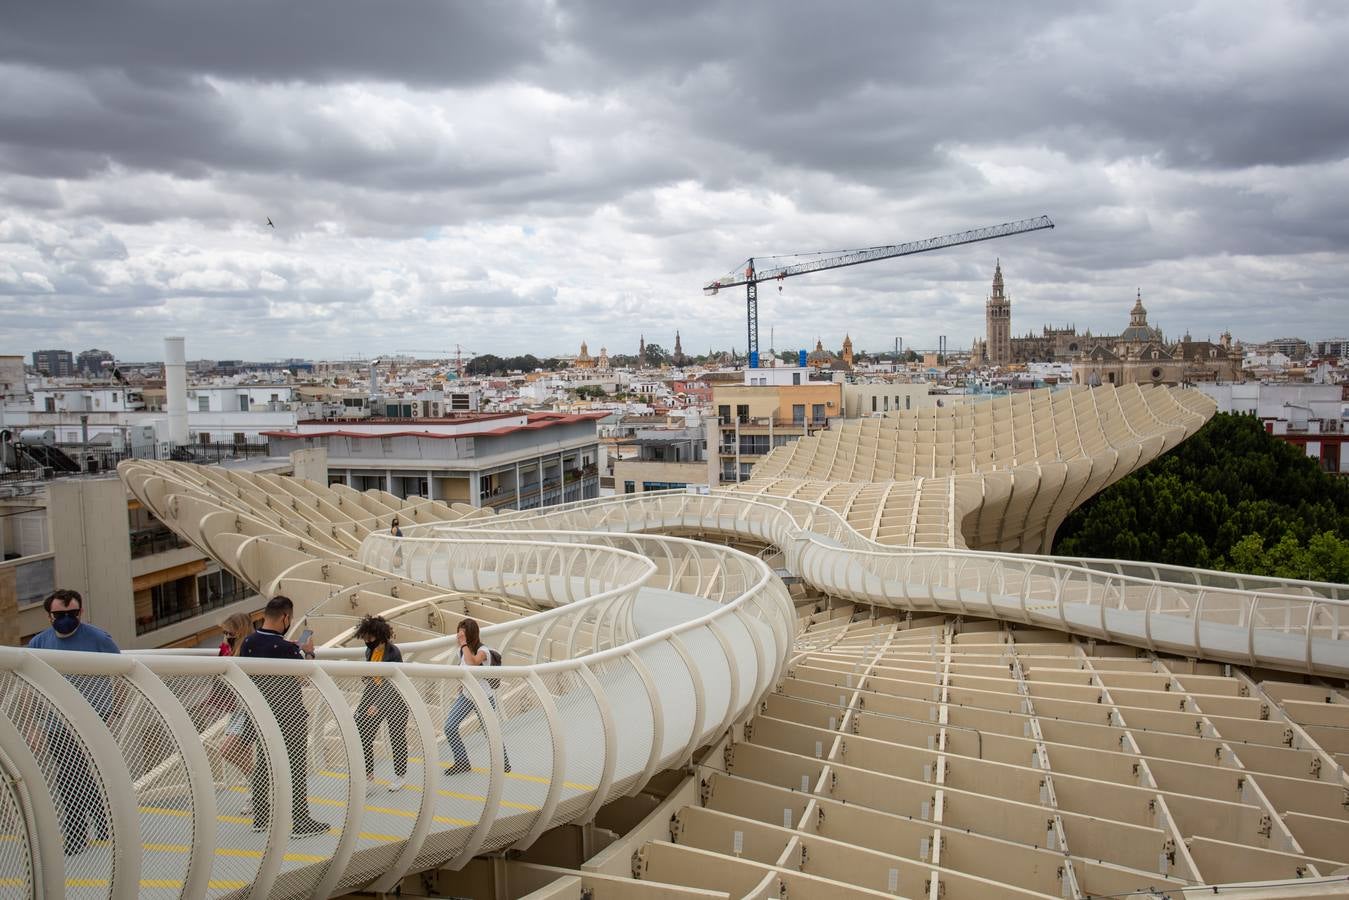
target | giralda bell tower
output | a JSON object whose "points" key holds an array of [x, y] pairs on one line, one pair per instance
{"points": [[998, 319]]}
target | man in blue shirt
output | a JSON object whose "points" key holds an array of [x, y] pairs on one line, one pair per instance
{"points": [[285, 695], [81, 803]]}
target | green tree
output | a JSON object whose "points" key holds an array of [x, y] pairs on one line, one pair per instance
{"points": [[1231, 497]]}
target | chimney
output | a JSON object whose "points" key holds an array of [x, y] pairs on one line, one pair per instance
{"points": [[175, 388]]}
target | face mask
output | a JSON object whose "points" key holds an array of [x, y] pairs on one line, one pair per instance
{"points": [[65, 623], [371, 645]]}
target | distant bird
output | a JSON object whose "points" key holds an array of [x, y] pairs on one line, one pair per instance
{"points": [[269, 223]]}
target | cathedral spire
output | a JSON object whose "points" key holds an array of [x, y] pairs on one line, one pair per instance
{"points": [[997, 279], [1138, 315]]}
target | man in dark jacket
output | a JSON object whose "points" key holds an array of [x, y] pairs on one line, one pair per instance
{"points": [[285, 695]]}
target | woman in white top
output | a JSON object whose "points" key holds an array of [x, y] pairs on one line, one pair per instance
{"points": [[471, 653]]}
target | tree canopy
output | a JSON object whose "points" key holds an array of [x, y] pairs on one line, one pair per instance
{"points": [[1231, 497]]}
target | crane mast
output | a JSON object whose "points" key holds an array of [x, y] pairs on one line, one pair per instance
{"points": [[751, 275]]}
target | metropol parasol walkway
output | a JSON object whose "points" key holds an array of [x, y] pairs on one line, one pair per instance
{"points": [[901, 695]]}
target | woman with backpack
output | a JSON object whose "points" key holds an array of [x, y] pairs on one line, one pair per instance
{"points": [[471, 653], [381, 702]]}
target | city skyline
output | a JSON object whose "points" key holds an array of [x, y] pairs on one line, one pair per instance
{"points": [[523, 180]]}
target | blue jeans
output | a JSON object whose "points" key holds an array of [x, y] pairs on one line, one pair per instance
{"points": [[461, 710]]}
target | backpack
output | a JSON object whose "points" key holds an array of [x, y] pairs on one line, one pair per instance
{"points": [[493, 659]]}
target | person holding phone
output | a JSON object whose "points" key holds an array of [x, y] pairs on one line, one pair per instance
{"points": [[285, 696]]}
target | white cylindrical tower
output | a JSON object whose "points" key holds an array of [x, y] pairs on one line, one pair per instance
{"points": [[175, 388]]}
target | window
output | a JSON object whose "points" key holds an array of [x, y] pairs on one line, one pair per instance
{"points": [[204, 437], [723, 413], [629, 487], [798, 414], [275, 398], [817, 413], [907, 398], [742, 413], [386, 444], [887, 403], [796, 378], [203, 403], [873, 402], [243, 403], [240, 439]]}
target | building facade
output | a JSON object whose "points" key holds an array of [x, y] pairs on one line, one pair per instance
{"points": [[54, 363], [497, 460], [772, 409]]}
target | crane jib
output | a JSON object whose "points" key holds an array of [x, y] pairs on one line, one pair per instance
{"points": [[754, 275]]}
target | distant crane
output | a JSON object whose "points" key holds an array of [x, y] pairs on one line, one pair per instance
{"points": [[751, 276], [459, 354]]}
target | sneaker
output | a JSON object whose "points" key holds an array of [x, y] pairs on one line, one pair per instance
{"points": [[308, 827], [395, 785], [459, 768]]}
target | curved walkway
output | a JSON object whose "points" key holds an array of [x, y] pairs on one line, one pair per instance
{"points": [[625, 651]]}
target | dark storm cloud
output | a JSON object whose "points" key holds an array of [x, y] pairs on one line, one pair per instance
{"points": [[536, 171], [318, 41]]}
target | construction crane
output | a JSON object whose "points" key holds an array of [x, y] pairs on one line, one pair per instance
{"points": [[459, 354], [751, 276]]}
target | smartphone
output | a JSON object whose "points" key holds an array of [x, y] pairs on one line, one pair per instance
{"points": [[305, 636]]}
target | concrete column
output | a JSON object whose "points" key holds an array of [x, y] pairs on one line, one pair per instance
{"points": [[388, 481], [175, 388], [91, 536], [430, 485]]}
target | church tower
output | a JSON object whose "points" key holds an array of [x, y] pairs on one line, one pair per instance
{"points": [[847, 349], [641, 352], [678, 358], [998, 322]]}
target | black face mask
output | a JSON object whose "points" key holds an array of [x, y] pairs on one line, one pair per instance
{"points": [[65, 623], [371, 645]]}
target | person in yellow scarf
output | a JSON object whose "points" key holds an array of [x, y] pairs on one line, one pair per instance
{"points": [[381, 702]]}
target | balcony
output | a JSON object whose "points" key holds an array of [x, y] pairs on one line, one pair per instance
{"points": [[149, 541], [146, 624]]}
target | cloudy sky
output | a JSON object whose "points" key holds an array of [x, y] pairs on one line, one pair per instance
{"points": [[521, 175]]}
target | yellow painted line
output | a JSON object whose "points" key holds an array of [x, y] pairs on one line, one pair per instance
{"points": [[164, 811], [239, 852], [381, 838], [12, 882], [447, 821], [160, 883], [166, 848], [216, 884], [86, 882]]}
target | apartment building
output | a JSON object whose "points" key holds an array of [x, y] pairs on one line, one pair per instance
{"points": [[141, 583], [772, 408], [500, 460], [657, 459]]}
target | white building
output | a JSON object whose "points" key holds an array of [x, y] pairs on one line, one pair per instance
{"points": [[502, 460]]}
